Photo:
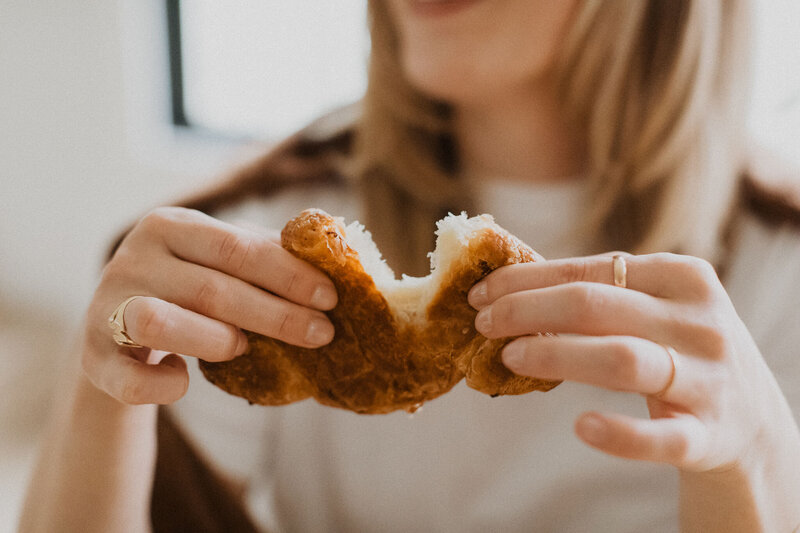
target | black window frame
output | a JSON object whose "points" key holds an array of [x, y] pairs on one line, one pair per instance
{"points": [[175, 50], [178, 116]]}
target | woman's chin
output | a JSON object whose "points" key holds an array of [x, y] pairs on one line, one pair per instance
{"points": [[449, 85]]}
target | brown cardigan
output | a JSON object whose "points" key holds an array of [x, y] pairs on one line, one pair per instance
{"points": [[188, 495]]}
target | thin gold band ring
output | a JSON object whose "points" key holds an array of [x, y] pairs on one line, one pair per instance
{"points": [[620, 271], [673, 358]]}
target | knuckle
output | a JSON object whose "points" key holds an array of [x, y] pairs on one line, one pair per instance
{"points": [[129, 262], [663, 259], [701, 276], [710, 337], [708, 390], [574, 271], [274, 254], [623, 365], [284, 323], [292, 282], [151, 227], [150, 322], [705, 269], [156, 218], [504, 311], [584, 300], [234, 250], [206, 297], [289, 276], [159, 218], [116, 271], [546, 361], [706, 331]]}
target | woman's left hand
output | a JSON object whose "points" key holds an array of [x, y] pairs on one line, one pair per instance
{"points": [[706, 413]]}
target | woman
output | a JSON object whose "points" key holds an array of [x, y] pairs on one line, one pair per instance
{"points": [[584, 127]]}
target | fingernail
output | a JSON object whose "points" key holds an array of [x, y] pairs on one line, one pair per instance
{"points": [[483, 322], [478, 295], [172, 360], [320, 331], [592, 429], [324, 297], [514, 356], [241, 347]]}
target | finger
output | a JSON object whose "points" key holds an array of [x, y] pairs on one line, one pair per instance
{"points": [[251, 256], [584, 308], [135, 382], [165, 326], [663, 275], [681, 440], [615, 362], [233, 301]]}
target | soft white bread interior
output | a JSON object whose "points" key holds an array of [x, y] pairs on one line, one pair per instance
{"points": [[409, 297]]}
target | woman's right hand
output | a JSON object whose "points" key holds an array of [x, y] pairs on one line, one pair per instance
{"points": [[199, 280]]}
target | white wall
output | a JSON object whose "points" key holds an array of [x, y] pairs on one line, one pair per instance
{"points": [[78, 155], [84, 148]]}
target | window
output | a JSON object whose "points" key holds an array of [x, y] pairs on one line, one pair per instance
{"points": [[265, 68]]}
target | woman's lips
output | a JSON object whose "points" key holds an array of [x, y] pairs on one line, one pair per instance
{"points": [[433, 8]]}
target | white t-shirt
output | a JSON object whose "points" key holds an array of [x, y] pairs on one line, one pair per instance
{"points": [[466, 461]]}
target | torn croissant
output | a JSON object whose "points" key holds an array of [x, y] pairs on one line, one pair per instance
{"points": [[398, 343]]}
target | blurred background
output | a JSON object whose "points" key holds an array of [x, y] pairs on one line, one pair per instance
{"points": [[111, 107]]}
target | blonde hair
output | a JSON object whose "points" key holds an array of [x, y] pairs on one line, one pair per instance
{"points": [[659, 89]]}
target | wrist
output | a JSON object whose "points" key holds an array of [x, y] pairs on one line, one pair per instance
{"points": [[722, 500], [759, 491], [96, 466]]}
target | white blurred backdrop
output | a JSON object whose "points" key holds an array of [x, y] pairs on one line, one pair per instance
{"points": [[87, 144]]}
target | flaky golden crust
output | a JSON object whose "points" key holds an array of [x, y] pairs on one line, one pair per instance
{"points": [[378, 363]]}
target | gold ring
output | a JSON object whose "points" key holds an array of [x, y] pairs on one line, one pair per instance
{"points": [[117, 324], [673, 359], [620, 271]]}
